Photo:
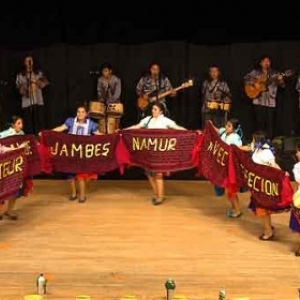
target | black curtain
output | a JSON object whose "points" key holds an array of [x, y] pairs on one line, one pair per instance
{"points": [[68, 69]]}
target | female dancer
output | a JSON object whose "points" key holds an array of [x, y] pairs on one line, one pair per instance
{"points": [[231, 134], [157, 121], [16, 128], [263, 154], [80, 125], [9, 214], [295, 211]]}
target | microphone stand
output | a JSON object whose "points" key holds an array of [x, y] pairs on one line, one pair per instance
{"points": [[31, 98]]}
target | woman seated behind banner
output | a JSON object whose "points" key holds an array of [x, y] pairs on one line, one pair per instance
{"points": [[16, 128], [264, 154], [80, 125], [295, 211], [231, 134], [157, 121]]}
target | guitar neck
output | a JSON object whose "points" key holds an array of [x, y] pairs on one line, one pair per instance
{"points": [[162, 95]]}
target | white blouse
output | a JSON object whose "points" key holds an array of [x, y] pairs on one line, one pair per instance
{"points": [[161, 122], [264, 156]]}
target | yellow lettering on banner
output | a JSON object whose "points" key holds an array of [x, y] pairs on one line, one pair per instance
{"points": [[83, 151], [11, 167], [64, 151], [76, 148], [219, 152], [154, 144], [89, 150], [260, 184]]}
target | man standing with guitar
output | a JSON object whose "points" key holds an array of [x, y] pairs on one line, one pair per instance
{"points": [[261, 86], [150, 89]]}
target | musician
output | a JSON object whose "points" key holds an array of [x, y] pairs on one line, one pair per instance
{"points": [[152, 85], [109, 93], [216, 98], [265, 103], [30, 83]]}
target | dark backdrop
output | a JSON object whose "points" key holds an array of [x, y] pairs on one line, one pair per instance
{"points": [[68, 69]]}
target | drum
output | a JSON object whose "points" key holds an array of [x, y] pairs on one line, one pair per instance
{"points": [[212, 105], [115, 110], [96, 110], [225, 106]]}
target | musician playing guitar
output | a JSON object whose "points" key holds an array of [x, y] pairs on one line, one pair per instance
{"points": [[151, 86], [265, 102]]}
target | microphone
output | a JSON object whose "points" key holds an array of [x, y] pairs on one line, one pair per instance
{"points": [[94, 73]]}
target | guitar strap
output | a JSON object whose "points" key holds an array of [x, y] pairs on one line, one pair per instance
{"points": [[213, 88]]}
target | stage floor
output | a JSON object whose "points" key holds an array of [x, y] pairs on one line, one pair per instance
{"points": [[118, 244]]}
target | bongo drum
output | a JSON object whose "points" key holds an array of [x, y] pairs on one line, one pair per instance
{"points": [[226, 106], [96, 109], [212, 105], [115, 110]]}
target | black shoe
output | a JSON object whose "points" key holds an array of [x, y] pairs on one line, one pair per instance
{"points": [[157, 201], [72, 198], [267, 238], [82, 200]]}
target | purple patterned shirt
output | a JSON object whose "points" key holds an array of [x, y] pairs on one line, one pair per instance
{"points": [[109, 91], [215, 91], [148, 84], [267, 98]]}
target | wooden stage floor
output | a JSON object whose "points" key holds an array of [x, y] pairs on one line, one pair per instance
{"points": [[118, 244]]}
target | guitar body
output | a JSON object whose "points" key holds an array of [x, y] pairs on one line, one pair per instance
{"points": [[142, 103], [254, 90]]}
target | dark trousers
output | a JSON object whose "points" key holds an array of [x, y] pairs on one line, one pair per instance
{"points": [[34, 119], [217, 116], [265, 119]]}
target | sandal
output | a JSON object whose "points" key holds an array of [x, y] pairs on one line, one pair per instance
{"points": [[264, 237], [72, 198], [232, 215], [12, 217], [157, 201], [82, 200]]}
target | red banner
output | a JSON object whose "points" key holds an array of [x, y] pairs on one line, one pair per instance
{"points": [[158, 150], [12, 170], [228, 166], [270, 188], [214, 157], [80, 154], [33, 157]]}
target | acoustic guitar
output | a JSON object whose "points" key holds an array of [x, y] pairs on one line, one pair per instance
{"points": [[261, 83], [143, 102]]}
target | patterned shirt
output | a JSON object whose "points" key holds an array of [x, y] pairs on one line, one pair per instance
{"points": [[109, 90], [37, 95], [267, 98], [153, 86], [217, 91]]}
